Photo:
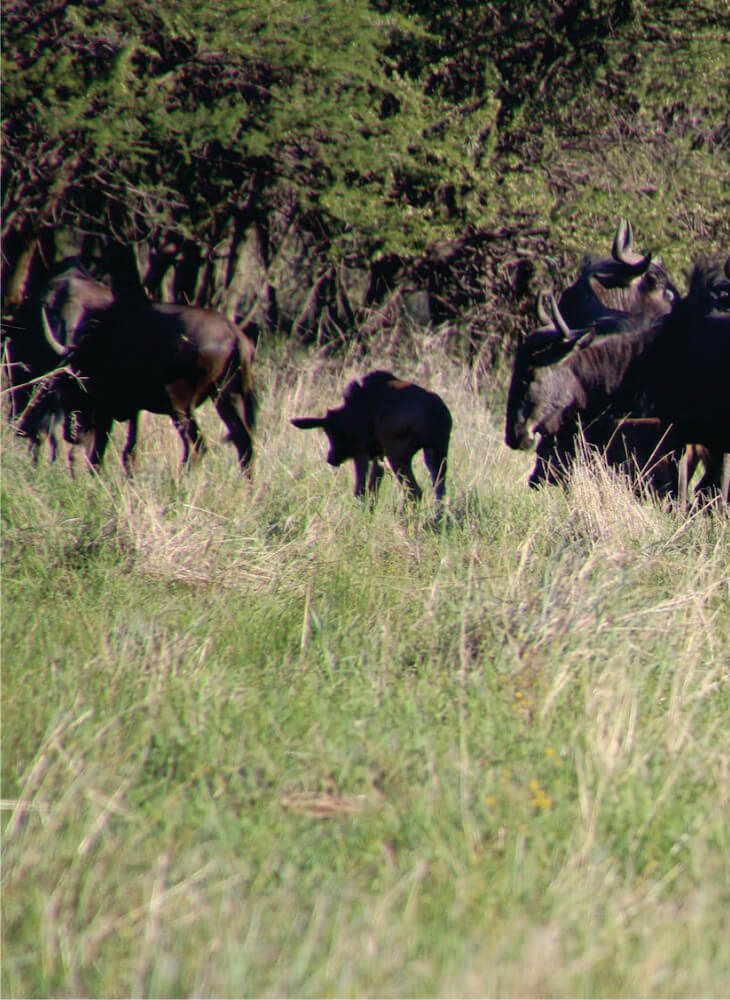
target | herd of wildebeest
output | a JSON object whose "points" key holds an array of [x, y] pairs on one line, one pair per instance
{"points": [[621, 362]]}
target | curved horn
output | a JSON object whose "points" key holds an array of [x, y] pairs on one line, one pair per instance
{"points": [[639, 265], [557, 320], [55, 344], [621, 250], [622, 253], [543, 313]]}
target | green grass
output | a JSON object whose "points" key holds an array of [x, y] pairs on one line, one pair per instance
{"points": [[258, 741]]}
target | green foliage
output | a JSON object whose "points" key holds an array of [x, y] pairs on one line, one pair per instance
{"points": [[451, 142], [185, 105]]}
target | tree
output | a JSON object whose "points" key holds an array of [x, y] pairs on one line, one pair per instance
{"points": [[471, 150], [159, 123]]}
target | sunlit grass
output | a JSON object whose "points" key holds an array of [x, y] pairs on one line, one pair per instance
{"points": [[260, 741]]}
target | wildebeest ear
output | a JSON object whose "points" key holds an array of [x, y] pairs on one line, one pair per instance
{"points": [[352, 391], [307, 423], [585, 340]]}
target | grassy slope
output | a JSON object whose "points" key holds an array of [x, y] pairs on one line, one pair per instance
{"points": [[257, 741]]}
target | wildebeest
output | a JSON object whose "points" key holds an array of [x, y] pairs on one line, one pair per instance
{"points": [[25, 359], [125, 357], [70, 294], [626, 291], [615, 290], [33, 408], [384, 417], [677, 369], [644, 448]]}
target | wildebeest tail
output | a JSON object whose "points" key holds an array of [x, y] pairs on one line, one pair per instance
{"points": [[248, 394], [250, 408]]}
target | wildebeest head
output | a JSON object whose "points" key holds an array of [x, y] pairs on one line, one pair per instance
{"points": [[541, 395], [709, 289], [626, 283], [71, 296], [344, 432], [541, 403]]}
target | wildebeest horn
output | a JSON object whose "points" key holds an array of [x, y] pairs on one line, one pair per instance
{"points": [[622, 252], [542, 312], [307, 423], [622, 242], [640, 265], [558, 322], [56, 344]]}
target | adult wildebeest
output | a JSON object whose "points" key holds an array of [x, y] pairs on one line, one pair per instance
{"points": [[626, 291], [644, 448], [27, 358], [124, 357], [70, 294], [677, 369], [384, 417]]}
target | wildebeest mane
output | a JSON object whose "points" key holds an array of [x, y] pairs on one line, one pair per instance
{"points": [[605, 360], [372, 380]]}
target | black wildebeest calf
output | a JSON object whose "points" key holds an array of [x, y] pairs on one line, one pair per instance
{"points": [[383, 417]]}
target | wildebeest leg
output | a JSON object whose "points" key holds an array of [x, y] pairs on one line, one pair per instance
{"points": [[196, 436], [551, 464], [435, 459], [128, 453], [711, 482], [404, 473], [376, 475], [189, 431], [240, 436], [102, 427], [690, 458], [684, 474], [35, 448], [361, 471], [53, 443], [725, 480]]}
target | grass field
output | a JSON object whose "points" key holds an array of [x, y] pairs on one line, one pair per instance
{"points": [[257, 741]]}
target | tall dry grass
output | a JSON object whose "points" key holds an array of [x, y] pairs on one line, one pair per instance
{"points": [[258, 740]]}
